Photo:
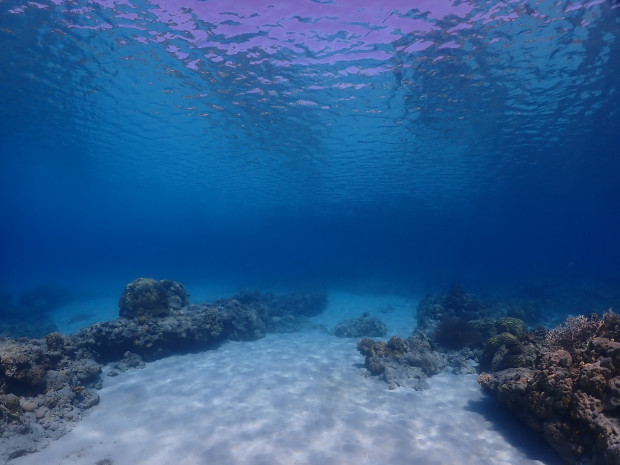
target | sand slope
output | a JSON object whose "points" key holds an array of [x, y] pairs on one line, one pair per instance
{"points": [[286, 399]]}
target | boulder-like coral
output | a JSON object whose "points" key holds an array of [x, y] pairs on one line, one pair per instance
{"points": [[194, 327], [510, 325], [364, 326], [146, 297], [455, 333], [279, 314], [457, 305], [22, 367], [403, 362], [55, 341], [241, 322]]}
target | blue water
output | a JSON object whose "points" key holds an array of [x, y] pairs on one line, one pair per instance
{"points": [[278, 144]]}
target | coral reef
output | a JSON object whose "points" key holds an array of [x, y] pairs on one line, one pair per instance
{"points": [[48, 383], [453, 331], [364, 326], [456, 304], [279, 314], [146, 297], [565, 384], [45, 384], [194, 327], [130, 360], [242, 322]]}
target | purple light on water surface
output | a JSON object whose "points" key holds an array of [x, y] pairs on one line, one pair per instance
{"points": [[303, 32]]}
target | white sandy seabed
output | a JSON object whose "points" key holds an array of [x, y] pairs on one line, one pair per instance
{"points": [[299, 398]]}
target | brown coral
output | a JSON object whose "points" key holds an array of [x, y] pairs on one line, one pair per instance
{"points": [[571, 391]]}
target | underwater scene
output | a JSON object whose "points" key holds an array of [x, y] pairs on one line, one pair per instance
{"points": [[309, 232]]}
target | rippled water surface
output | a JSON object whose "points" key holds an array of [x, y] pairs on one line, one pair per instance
{"points": [[309, 137]]}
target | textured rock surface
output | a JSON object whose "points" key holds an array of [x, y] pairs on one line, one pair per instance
{"points": [[146, 297], [277, 314], [242, 322], [193, 327], [365, 326], [403, 362], [453, 330], [565, 384], [45, 385], [456, 305]]}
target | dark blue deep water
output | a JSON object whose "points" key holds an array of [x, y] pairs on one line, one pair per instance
{"points": [[397, 145]]}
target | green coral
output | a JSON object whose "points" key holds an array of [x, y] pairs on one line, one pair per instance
{"points": [[489, 327], [495, 342], [484, 326], [510, 325]]}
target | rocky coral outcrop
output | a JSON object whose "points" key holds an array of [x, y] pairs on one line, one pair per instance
{"points": [[130, 360], [565, 384], [403, 362], [45, 385], [146, 297], [457, 306], [194, 327], [279, 314], [364, 326], [453, 331], [242, 322]]}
